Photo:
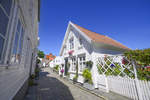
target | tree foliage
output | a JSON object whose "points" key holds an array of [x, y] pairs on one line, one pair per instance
{"points": [[142, 57], [41, 54]]}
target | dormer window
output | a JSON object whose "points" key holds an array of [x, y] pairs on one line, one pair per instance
{"points": [[71, 43], [80, 41]]}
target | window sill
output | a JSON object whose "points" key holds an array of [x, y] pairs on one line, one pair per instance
{"points": [[8, 66], [3, 65], [80, 73], [72, 72]]}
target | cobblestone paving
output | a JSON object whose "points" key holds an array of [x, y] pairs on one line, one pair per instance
{"points": [[52, 87]]}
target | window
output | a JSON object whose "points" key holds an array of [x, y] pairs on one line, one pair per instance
{"points": [[18, 42], [1, 46], [21, 41], [5, 6], [80, 41], [71, 43], [73, 64], [82, 63]]}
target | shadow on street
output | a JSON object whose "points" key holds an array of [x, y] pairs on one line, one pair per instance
{"points": [[50, 88]]}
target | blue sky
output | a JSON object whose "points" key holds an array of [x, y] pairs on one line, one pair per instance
{"points": [[127, 21]]}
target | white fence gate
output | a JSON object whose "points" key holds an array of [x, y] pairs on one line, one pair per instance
{"points": [[102, 82], [118, 76]]}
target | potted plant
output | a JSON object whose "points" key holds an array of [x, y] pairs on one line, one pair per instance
{"points": [[88, 83], [75, 79], [62, 71], [56, 68]]}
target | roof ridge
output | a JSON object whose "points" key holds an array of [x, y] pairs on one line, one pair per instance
{"points": [[89, 30], [101, 38]]}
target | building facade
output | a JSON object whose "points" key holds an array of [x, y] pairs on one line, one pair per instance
{"points": [[50, 57], [57, 61], [18, 45], [81, 45]]}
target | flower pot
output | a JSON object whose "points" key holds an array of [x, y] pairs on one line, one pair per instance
{"points": [[88, 86]]}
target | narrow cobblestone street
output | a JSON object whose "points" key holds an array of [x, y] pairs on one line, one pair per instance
{"points": [[52, 87]]}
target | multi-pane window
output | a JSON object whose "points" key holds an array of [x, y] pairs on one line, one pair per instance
{"points": [[5, 6], [71, 43], [82, 63], [18, 42], [73, 64]]}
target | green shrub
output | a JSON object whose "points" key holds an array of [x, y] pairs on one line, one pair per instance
{"points": [[37, 70], [75, 78], [38, 61], [140, 56], [32, 76], [99, 69], [143, 74], [56, 67], [31, 82], [142, 59], [87, 76], [89, 64]]}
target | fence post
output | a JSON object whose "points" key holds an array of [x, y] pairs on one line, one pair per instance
{"points": [[137, 82], [95, 73], [106, 81]]}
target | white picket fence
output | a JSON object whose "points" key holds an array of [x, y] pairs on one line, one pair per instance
{"points": [[126, 86]]}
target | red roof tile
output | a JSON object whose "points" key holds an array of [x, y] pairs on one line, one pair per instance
{"points": [[101, 38]]}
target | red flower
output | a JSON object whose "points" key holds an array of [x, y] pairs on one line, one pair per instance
{"points": [[70, 52], [124, 61], [147, 66]]}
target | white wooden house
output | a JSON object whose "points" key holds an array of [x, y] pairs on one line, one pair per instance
{"points": [[56, 61], [19, 20], [81, 45]]}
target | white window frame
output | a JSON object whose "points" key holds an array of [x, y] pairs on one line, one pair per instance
{"points": [[22, 27], [73, 64], [71, 43], [81, 62], [80, 41], [6, 34]]}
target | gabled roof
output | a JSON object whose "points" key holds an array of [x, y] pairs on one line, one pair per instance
{"points": [[101, 38], [92, 37]]}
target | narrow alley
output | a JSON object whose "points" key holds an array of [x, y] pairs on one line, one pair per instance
{"points": [[52, 87]]}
